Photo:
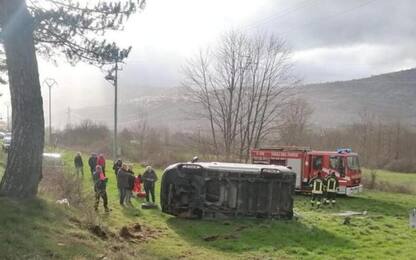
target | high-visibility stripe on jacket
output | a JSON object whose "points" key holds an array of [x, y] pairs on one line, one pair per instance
{"points": [[317, 186], [331, 185]]}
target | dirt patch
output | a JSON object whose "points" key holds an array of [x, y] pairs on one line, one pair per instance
{"points": [[137, 227], [220, 237], [211, 238], [99, 232], [230, 237], [347, 221], [241, 227], [127, 233], [75, 221], [138, 233], [116, 248]]}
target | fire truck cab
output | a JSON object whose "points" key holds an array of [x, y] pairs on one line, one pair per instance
{"points": [[306, 163]]}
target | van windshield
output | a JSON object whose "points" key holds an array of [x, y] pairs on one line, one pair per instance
{"points": [[353, 163]]}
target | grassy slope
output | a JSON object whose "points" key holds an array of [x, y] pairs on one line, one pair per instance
{"points": [[384, 233], [38, 230], [405, 179]]}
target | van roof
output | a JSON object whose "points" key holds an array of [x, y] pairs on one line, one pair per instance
{"points": [[236, 167]]}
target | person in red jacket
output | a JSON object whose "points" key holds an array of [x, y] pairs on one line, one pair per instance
{"points": [[137, 189], [101, 162]]}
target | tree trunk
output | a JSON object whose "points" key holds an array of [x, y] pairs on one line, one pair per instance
{"points": [[24, 162]]}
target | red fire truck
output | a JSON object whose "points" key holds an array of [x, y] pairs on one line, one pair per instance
{"points": [[306, 163]]}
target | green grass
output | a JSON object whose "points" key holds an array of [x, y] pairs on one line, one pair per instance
{"points": [[393, 177], [40, 229], [407, 180]]}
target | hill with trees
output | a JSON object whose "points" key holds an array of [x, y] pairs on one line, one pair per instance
{"points": [[390, 97]]}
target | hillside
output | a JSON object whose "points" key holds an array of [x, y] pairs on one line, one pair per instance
{"points": [[389, 96], [164, 107]]}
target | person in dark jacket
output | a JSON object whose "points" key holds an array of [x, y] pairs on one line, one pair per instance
{"points": [[123, 182], [331, 188], [149, 178], [92, 162], [100, 188], [317, 184], [79, 165], [129, 191], [117, 165]]}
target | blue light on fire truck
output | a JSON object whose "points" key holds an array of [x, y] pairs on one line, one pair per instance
{"points": [[344, 150]]}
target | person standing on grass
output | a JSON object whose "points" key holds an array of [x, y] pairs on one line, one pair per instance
{"points": [[129, 190], [331, 188], [317, 183], [101, 162], [100, 188], [117, 165], [79, 165], [149, 177], [123, 183], [92, 162]]}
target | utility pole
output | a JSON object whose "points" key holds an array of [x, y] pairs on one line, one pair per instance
{"points": [[115, 145], [114, 58], [112, 77], [50, 83]]}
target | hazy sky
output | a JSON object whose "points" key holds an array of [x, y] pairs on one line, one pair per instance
{"points": [[330, 40]]}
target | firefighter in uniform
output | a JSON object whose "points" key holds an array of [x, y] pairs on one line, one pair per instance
{"points": [[317, 184], [331, 188]]}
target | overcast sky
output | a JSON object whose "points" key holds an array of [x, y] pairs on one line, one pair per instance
{"points": [[330, 40]]}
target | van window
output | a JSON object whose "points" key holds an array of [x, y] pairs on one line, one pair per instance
{"points": [[213, 190]]}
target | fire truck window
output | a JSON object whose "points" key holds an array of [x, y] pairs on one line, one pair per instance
{"points": [[353, 163], [333, 162], [317, 162], [341, 167]]}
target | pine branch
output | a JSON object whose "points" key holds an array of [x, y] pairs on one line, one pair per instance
{"points": [[3, 67], [76, 30]]}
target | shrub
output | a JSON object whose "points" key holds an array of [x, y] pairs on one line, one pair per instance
{"points": [[87, 135], [60, 183]]}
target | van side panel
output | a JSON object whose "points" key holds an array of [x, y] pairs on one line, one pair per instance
{"points": [[207, 193]]}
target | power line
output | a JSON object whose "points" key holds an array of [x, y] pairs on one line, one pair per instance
{"points": [[301, 5], [343, 12]]}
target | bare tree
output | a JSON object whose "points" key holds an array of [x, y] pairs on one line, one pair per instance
{"points": [[140, 130], [294, 121], [239, 85]]}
